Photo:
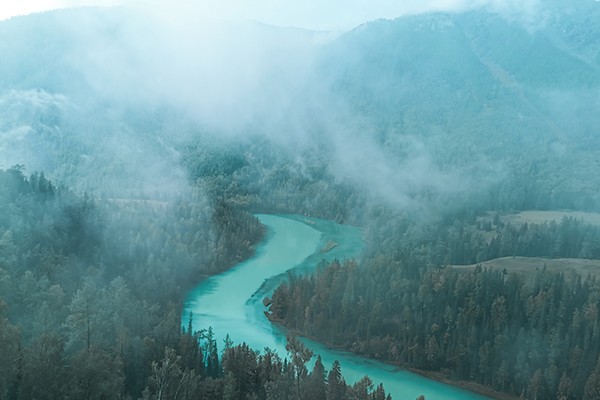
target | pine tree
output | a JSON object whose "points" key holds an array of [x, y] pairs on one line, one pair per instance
{"points": [[336, 386], [315, 387], [44, 369], [592, 385], [300, 355]]}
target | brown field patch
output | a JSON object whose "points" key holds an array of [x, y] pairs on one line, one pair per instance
{"points": [[531, 264], [539, 217]]}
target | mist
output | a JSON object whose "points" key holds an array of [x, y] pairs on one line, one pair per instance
{"points": [[137, 82], [239, 80]]}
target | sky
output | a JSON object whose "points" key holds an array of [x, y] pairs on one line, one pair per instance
{"points": [[308, 14]]}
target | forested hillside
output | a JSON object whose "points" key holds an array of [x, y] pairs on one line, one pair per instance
{"points": [[510, 112], [91, 289], [472, 107], [497, 108], [91, 302]]}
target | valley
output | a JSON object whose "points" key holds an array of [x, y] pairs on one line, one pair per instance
{"points": [[416, 193]]}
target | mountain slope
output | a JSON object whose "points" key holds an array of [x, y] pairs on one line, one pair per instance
{"points": [[447, 103], [481, 91]]}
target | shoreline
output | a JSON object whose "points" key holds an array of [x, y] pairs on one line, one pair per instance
{"points": [[470, 386], [437, 376], [384, 372], [329, 242]]}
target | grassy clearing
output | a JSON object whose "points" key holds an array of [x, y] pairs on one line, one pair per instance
{"points": [[529, 264], [489, 222], [538, 217]]}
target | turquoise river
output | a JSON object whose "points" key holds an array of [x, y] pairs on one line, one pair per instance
{"points": [[231, 302]]}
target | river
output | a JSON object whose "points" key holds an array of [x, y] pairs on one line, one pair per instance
{"points": [[231, 302]]}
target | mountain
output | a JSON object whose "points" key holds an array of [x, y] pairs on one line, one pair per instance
{"points": [[476, 99], [477, 89], [99, 98]]}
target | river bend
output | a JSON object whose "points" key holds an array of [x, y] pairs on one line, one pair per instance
{"points": [[231, 302]]}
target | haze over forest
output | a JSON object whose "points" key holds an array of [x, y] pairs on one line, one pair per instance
{"points": [[138, 142]]}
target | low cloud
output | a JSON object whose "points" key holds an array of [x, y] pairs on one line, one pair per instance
{"points": [[233, 79], [386, 175]]}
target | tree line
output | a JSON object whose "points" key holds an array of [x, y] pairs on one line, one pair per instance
{"points": [[534, 334]]}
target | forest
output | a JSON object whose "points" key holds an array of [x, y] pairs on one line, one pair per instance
{"points": [[91, 304], [532, 334]]}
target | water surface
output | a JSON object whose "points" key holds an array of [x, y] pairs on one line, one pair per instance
{"points": [[231, 303]]}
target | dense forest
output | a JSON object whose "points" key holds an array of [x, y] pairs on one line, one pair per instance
{"points": [[528, 333], [91, 302]]}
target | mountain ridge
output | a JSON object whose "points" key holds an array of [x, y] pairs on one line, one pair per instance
{"points": [[475, 93]]}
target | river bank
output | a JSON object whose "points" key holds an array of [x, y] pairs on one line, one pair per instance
{"points": [[437, 376], [466, 385], [231, 302]]}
